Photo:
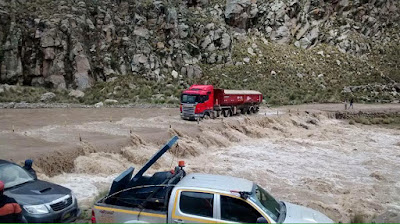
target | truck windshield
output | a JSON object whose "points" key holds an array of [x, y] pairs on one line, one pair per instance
{"points": [[13, 175], [266, 202], [194, 98], [189, 98]]}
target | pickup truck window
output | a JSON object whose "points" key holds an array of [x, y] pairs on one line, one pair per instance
{"points": [[237, 210], [196, 203]]}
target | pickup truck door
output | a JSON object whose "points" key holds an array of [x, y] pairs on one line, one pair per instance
{"points": [[192, 206], [237, 210]]}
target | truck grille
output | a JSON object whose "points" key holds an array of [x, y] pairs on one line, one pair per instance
{"points": [[188, 110], [61, 204]]}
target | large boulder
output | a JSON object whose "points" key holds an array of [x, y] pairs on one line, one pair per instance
{"points": [[238, 13], [225, 41], [76, 94], [56, 81], [46, 97], [191, 71], [82, 70]]}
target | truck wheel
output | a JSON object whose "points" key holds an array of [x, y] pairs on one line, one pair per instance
{"points": [[213, 114], [249, 111], [243, 111], [256, 110], [219, 113], [206, 116], [227, 113], [253, 110]]}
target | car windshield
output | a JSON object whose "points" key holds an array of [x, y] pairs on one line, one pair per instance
{"points": [[13, 175], [268, 203], [189, 98]]}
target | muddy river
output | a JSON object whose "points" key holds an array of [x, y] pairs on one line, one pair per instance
{"points": [[304, 157]]}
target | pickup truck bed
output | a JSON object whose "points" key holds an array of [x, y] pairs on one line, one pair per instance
{"points": [[107, 213], [143, 200]]}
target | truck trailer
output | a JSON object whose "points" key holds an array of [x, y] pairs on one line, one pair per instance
{"points": [[205, 101]]}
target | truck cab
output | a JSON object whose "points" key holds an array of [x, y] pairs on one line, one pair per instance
{"points": [[204, 198], [197, 101]]}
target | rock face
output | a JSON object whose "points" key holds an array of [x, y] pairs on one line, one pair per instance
{"points": [[74, 44], [349, 25], [11, 67]]}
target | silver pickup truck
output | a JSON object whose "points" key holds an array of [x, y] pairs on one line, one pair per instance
{"points": [[174, 197]]}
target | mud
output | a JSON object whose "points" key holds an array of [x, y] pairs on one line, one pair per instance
{"points": [[303, 157]]}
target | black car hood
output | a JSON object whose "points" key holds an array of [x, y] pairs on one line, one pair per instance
{"points": [[37, 192]]}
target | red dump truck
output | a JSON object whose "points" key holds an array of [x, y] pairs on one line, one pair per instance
{"points": [[202, 101]]}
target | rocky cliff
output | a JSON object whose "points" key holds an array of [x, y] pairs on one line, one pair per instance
{"points": [[339, 46]]}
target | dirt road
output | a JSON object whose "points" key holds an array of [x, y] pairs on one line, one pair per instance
{"points": [[305, 158]]}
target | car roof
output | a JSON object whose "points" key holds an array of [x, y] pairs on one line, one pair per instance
{"points": [[216, 182]]}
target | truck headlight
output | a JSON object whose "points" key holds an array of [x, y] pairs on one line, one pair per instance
{"points": [[36, 209]]}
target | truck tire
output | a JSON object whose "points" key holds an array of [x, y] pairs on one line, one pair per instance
{"points": [[249, 110], [253, 110], [243, 111], [227, 113], [213, 114], [206, 116]]}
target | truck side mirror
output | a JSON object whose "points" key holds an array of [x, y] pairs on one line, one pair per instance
{"points": [[261, 220]]}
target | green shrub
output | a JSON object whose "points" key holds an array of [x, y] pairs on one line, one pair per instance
{"points": [[362, 120], [377, 120], [388, 120]]}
